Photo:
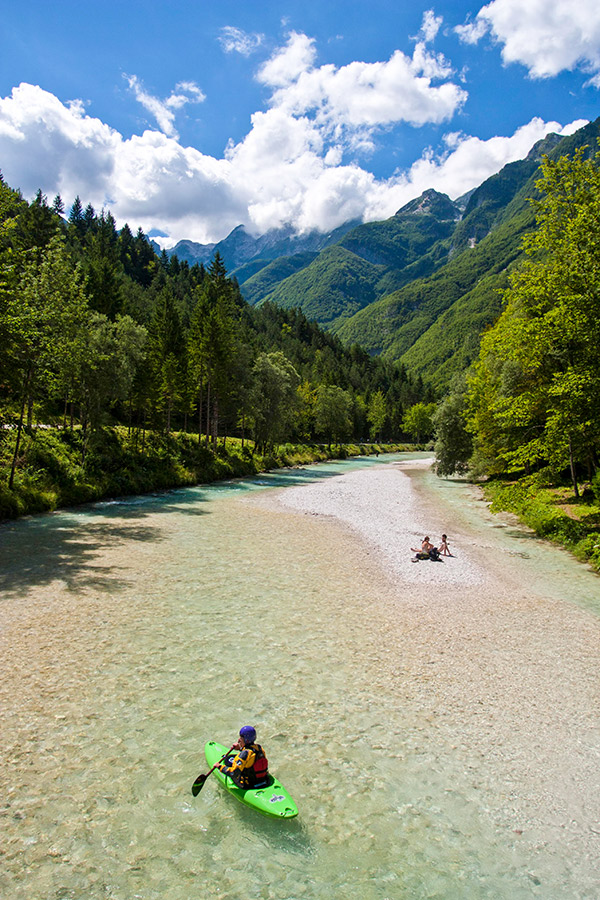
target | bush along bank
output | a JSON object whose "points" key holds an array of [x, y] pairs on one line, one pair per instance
{"points": [[52, 472], [553, 513]]}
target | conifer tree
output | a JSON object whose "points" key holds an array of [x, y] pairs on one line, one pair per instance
{"points": [[58, 207], [76, 220], [103, 267], [166, 354]]}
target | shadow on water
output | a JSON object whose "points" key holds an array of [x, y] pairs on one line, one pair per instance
{"points": [[285, 835], [66, 545], [68, 553]]}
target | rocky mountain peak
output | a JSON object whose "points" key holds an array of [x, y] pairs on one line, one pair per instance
{"points": [[433, 203]]}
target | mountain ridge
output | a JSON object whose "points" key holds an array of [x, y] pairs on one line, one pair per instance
{"points": [[418, 287], [240, 247]]}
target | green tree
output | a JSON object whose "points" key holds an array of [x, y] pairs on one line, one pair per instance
{"points": [[37, 225], [533, 394], [114, 351], [219, 364], [274, 398], [454, 444], [307, 399], [377, 414], [58, 207], [166, 352], [103, 266], [39, 319], [76, 220], [418, 421], [333, 413]]}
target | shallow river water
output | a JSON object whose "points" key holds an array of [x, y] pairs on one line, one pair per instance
{"points": [[135, 631]]}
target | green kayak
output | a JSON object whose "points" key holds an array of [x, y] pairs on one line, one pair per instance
{"points": [[272, 800]]}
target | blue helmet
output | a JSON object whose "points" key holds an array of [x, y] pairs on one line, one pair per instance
{"points": [[248, 733]]}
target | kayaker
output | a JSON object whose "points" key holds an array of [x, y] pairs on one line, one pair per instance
{"points": [[249, 767]]}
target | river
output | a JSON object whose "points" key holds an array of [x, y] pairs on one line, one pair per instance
{"points": [[134, 631]]}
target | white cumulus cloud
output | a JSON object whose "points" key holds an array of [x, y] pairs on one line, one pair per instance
{"points": [[467, 162], [362, 95], [546, 37], [286, 170], [431, 25], [288, 63]]}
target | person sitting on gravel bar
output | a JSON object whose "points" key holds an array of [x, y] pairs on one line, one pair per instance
{"points": [[444, 549], [427, 551]]}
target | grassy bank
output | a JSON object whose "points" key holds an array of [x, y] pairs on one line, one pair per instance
{"points": [[553, 513], [51, 473]]}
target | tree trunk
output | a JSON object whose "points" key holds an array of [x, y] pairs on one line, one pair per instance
{"points": [[84, 428], [215, 423], [19, 428], [573, 469], [200, 403], [207, 413]]}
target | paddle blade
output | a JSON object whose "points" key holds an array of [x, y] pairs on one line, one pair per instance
{"points": [[198, 784]]}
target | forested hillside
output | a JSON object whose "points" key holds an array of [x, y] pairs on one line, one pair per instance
{"points": [[421, 286], [433, 325], [367, 263]]}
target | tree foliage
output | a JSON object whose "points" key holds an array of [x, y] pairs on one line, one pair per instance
{"points": [[418, 421], [333, 413], [453, 443], [533, 394]]}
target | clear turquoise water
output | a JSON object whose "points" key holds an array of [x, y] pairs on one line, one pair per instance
{"points": [[138, 630]]}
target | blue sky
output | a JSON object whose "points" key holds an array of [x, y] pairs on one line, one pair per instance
{"points": [[188, 119]]}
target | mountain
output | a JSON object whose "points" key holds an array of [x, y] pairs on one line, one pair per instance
{"points": [[368, 262], [240, 248], [433, 324], [421, 286]]}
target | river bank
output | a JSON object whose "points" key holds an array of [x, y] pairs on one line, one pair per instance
{"points": [[58, 468], [505, 673]]}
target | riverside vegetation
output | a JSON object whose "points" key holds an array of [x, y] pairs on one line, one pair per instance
{"points": [[527, 412], [120, 462]]}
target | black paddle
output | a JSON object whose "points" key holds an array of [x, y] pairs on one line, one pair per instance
{"points": [[199, 782]]}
